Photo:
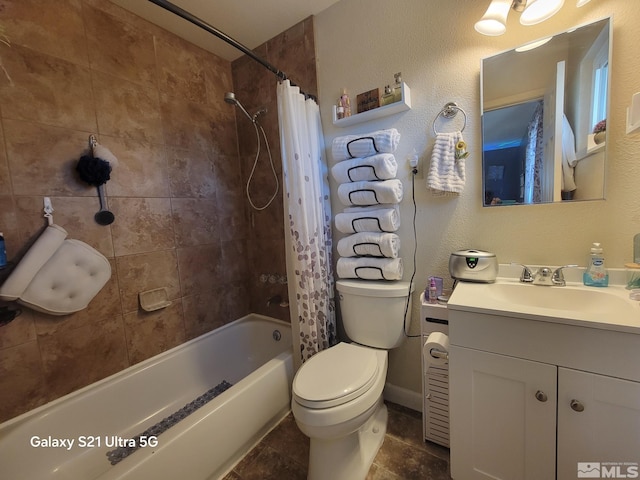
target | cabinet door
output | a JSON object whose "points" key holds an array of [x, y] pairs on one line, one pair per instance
{"points": [[598, 425], [503, 416]]}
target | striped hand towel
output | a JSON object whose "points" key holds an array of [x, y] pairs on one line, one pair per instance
{"points": [[354, 220], [375, 244], [368, 268], [446, 172], [371, 193], [376, 167], [365, 145]]}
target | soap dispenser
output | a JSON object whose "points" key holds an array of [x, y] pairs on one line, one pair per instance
{"points": [[596, 274]]}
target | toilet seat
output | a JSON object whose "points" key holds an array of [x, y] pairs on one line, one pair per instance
{"points": [[335, 376]]}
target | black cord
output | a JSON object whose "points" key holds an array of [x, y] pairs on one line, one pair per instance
{"points": [[414, 172]]}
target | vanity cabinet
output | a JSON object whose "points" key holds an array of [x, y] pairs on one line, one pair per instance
{"points": [[499, 430], [532, 399], [598, 421]]}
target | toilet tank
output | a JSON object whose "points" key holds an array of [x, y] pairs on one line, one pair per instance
{"points": [[373, 312]]}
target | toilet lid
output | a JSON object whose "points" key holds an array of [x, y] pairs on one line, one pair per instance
{"points": [[335, 376]]}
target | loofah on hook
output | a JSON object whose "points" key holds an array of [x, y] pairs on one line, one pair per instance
{"points": [[100, 151], [95, 171]]}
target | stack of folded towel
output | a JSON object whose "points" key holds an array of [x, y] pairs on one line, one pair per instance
{"points": [[370, 191]]}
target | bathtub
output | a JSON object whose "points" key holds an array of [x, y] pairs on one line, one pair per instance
{"points": [[69, 438]]}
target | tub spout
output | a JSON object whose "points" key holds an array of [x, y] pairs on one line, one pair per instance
{"points": [[276, 299]]}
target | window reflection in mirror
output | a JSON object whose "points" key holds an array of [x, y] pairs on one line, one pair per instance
{"points": [[541, 110]]}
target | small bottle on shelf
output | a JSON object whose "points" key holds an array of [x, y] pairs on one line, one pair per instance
{"points": [[387, 98], [339, 110], [433, 291], [345, 102], [397, 87]]}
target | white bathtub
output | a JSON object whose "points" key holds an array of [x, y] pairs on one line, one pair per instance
{"points": [[109, 413]]}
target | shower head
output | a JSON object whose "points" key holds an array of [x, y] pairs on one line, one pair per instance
{"points": [[230, 98]]}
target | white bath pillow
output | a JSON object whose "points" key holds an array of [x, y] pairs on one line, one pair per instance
{"points": [[65, 282]]}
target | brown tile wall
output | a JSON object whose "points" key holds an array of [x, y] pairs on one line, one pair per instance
{"points": [[293, 52], [87, 66]]}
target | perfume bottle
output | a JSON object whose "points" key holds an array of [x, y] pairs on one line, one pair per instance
{"points": [[387, 98], [339, 110], [345, 101], [397, 87]]}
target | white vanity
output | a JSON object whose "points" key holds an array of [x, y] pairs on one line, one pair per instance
{"points": [[543, 381]]}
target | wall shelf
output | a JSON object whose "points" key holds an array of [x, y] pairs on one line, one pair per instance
{"points": [[380, 112]]}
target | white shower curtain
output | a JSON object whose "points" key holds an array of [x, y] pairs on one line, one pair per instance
{"points": [[307, 213], [534, 158]]}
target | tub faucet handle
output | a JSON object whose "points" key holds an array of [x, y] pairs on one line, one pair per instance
{"points": [[526, 276]]}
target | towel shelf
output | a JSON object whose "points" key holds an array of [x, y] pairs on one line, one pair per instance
{"points": [[376, 113]]}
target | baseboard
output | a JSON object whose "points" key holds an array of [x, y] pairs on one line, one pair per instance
{"points": [[402, 396]]}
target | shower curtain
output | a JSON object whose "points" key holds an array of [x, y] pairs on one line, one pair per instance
{"points": [[307, 215], [534, 158]]}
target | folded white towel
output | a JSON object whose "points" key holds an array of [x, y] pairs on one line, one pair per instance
{"points": [[446, 173], [365, 145], [368, 268], [354, 220], [569, 158], [370, 193], [375, 244], [377, 167]]}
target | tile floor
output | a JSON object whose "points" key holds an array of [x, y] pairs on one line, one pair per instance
{"points": [[283, 453]]}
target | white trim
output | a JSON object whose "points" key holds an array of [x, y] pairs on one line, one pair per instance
{"points": [[402, 396]]}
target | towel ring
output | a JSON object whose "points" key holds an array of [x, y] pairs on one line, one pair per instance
{"points": [[450, 110]]}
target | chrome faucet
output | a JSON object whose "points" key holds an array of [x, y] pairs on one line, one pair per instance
{"points": [[526, 276], [557, 278], [544, 275]]}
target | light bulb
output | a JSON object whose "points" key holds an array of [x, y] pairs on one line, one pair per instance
{"points": [[494, 21], [538, 11]]}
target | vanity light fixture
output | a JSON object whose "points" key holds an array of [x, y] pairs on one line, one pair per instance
{"points": [[538, 11], [494, 21]]}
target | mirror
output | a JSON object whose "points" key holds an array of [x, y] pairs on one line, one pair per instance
{"points": [[541, 108]]}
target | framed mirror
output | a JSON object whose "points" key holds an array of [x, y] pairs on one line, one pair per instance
{"points": [[544, 108]]}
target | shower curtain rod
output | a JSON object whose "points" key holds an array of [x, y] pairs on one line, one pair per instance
{"points": [[223, 36]]}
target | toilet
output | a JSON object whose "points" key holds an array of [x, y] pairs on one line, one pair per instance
{"points": [[337, 394]]}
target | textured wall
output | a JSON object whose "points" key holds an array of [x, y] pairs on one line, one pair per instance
{"points": [[82, 67], [361, 44]]}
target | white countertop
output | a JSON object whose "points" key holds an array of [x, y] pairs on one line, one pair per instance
{"points": [[607, 308]]}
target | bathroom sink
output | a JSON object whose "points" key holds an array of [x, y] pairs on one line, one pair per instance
{"points": [[593, 300], [608, 307]]}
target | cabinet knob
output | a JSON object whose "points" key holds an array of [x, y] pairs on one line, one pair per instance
{"points": [[541, 396], [576, 405]]}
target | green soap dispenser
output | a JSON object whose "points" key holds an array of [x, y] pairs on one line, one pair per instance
{"points": [[596, 274]]}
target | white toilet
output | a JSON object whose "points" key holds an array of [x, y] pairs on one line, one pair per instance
{"points": [[337, 394]]}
